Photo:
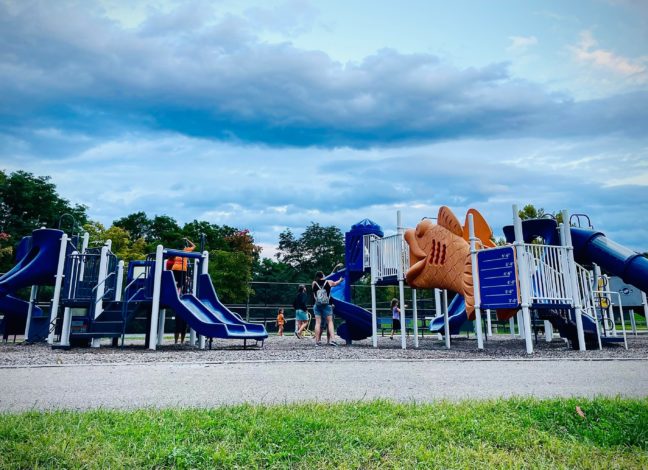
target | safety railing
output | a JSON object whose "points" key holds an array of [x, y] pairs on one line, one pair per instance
{"points": [[608, 313], [585, 290], [366, 250], [81, 275], [389, 257], [124, 312], [586, 296], [548, 273]]}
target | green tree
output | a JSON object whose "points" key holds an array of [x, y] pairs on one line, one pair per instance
{"points": [[529, 211], [138, 225], [230, 272], [164, 230], [317, 249], [28, 202], [121, 243], [277, 283]]}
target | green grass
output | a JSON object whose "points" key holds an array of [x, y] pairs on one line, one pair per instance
{"points": [[516, 433]]}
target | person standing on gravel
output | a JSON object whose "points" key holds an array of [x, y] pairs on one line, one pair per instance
{"points": [[396, 323], [323, 307], [301, 313]]}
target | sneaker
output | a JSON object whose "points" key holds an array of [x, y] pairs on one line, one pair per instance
{"points": [[318, 343], [332, 343]]}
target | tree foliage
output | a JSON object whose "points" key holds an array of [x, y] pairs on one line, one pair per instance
{"points": [[28, 202], [319, 248], [529, 211]]}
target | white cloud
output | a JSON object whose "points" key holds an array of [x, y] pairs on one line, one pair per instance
{"points": [[520, 44], [587, 53], [270, 189]]}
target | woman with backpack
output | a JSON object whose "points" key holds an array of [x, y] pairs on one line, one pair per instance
{"points": [[322, 307]]}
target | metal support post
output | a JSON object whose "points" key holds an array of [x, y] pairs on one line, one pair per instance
{"points": [[475, 274], [401, 281], [374, 316], [415, 318], [446, 321], [524, 279], [155, 306], [401, 292], [101, 287], [192, 332], [161, 325], [204, 269], [30, 309], [84, 247], [573, 279], [489, 324], [67, 318], [57, 287], [120, 281]]}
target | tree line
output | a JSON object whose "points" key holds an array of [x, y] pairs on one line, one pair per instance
{"points": [[28, 202]]}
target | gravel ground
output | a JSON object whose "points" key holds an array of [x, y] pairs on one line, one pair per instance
{"points": [[289, 348]]}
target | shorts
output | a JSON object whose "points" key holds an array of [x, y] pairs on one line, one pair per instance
{"points": [[301, 315], [322, 310], [396, 324]]}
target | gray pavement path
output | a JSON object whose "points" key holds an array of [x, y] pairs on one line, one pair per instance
{"points": [[207, 385]]}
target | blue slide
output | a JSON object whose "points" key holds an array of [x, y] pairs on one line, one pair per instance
{"points": [[207, 316], [594, 247], [457, 316], [36, 266], [357, 320]]}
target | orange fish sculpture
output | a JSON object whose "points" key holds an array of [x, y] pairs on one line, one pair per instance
{"points": [[440, 254]]}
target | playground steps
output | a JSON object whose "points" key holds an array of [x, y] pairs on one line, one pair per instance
{"points": [[561, 320], [111, 322]]}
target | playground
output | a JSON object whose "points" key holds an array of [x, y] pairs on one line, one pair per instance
{"points": [[566, 285], [530, 326]]}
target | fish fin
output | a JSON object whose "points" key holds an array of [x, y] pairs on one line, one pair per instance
{"points": [[482, 230], [448, 220]]}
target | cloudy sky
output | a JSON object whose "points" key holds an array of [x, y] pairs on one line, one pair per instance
{"points": [[272, 114]]}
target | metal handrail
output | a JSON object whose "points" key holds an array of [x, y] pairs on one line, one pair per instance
{"points": [[124, 313], [125, 304], [131, 283], [102, 282]]}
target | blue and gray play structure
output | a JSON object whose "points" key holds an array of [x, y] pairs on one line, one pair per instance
{"points": [[90, 300], [550, 273]]}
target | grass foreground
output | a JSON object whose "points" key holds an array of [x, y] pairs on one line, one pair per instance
{"points": [[512, 433]]}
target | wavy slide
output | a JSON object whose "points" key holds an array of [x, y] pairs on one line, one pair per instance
{"points": [[206, 315], [457, 316]]}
